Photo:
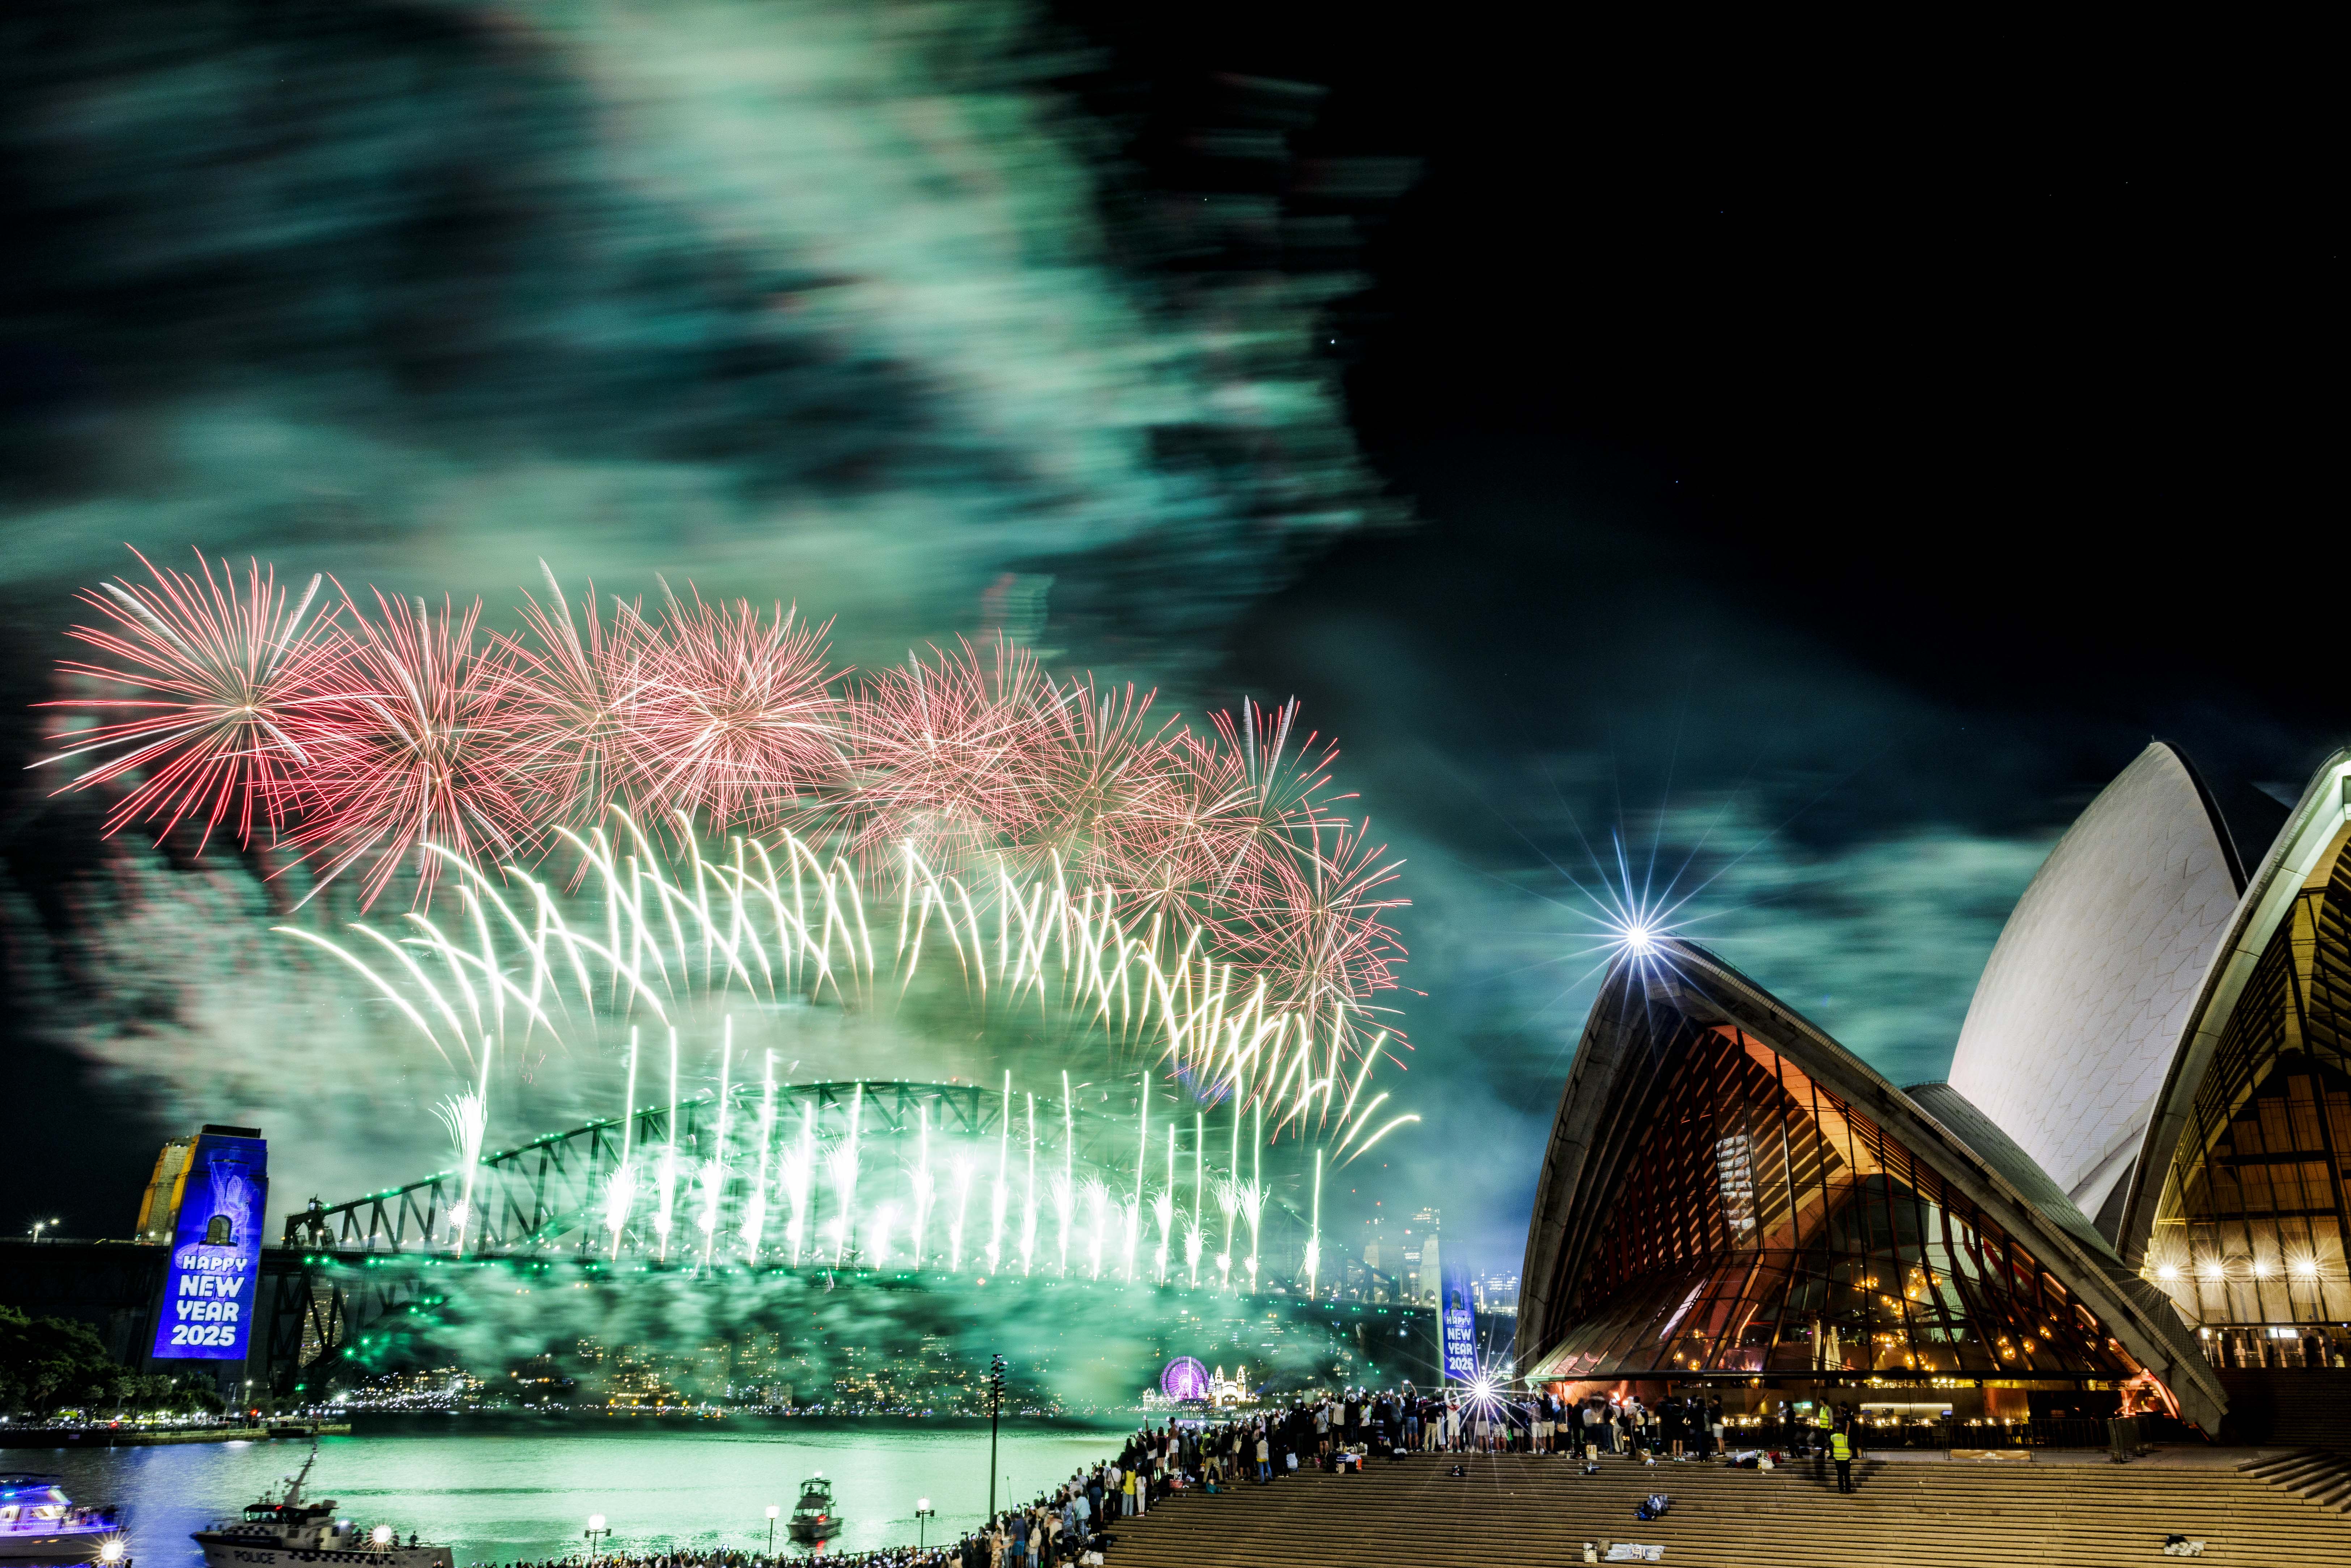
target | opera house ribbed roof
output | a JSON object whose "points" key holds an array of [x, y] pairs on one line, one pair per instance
{"points": [[2142, 1150]]}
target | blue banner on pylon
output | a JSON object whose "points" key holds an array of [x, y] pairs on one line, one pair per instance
{"points": [[1458, 1322]]}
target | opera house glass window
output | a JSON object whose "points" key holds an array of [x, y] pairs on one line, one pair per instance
{"points": [[1760, 1224], [2250, 1226]]}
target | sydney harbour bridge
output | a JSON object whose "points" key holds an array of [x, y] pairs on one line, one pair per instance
{"points": [[886, 1186]]}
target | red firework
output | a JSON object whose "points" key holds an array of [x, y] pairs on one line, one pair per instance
{"points": [[366, 739], [950, 756], [217, 671], [408, 741], [1322, 937], [571, 687], [1239, 809], [734, 717], [1104, 784]]}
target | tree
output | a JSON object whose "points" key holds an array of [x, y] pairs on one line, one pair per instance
{"points": [[52, 1363], [49, 1363]]}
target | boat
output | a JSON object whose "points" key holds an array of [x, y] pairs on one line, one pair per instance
{"points": [[814, 1516], [38, 1523], [285, 1528]]}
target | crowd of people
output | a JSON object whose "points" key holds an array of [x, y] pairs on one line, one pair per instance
{"points": [[1080, 1516], [881, 1557], [1071, 1524]]}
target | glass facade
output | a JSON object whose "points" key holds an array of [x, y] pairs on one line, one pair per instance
{"points": [[2250, 1229], [1759, 1224]]}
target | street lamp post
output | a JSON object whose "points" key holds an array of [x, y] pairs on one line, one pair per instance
{"points": [[41, 1225], [923, 1512], [995, 1406], [772, 1512], [596, 1530]]}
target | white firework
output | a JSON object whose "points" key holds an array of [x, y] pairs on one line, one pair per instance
{"points": [[620, 1198]]}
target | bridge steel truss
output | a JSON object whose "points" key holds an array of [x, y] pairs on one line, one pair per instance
{"points": [[542, 1197]]}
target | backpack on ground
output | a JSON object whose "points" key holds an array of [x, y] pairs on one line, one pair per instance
{"points": [[1652, 1506]]}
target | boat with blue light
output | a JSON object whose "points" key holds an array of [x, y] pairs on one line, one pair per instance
{"points": [[39, 1523]]}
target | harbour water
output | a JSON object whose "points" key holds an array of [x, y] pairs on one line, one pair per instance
{"points": [[526, 1495]]}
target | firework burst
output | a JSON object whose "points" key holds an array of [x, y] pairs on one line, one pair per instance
{"points": [[408, 739], [949, 754], [572, 685], [361, 739], [1236, 811], [1104, 784], [734, 717], [214, 675], [1316, 929]]}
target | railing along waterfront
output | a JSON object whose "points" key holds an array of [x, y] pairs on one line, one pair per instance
{"points": [[2040, 1432]]}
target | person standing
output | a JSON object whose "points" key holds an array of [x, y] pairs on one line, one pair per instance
{"points": [[1841, 1453]]}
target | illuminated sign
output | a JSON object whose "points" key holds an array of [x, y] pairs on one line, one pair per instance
{"points": [[1457, 1322], [215, 1279]]}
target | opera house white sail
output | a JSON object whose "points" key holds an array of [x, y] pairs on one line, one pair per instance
{"points": [[2079, 1011], [2139, 1168]]}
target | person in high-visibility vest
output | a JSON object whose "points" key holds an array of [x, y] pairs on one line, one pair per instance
{"points": [[1824, 1417], [1840, 1451]]}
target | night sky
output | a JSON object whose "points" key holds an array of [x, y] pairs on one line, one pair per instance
{"points": [[1816, 466]]}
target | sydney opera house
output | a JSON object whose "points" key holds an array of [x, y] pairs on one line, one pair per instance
{"points": [[2136, 1175]]}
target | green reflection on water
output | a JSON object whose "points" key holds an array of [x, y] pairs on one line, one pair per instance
{"points": [[500, 1497]]}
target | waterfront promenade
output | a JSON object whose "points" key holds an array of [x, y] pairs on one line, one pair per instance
{"points": [[1921, 1510], [134, 1436]]}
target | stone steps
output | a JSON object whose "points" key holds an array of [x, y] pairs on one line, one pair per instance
{"points": [[2319, 1474], [1526, 1510]]}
